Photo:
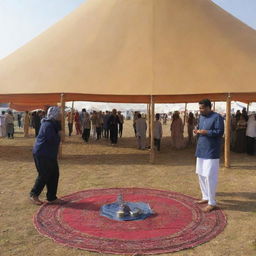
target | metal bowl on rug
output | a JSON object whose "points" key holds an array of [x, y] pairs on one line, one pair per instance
{"points": [[124, 211]]}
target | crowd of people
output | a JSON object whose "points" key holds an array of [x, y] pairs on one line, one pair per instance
{"points": [[209, 131], [29, 120], [96, 125], [205, 131], [243, 132]]}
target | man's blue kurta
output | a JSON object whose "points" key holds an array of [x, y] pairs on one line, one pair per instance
{"points": [[208, 145]]}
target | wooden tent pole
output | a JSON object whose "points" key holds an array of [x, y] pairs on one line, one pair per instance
{"points": [[185, 113], [72, 112], [227, 133], [152, 114], [149, 121], [214, 106], [62, 106], [248, 107], [62, 102]]}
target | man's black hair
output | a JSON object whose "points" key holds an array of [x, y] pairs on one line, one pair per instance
{"points": [[206, 103]]}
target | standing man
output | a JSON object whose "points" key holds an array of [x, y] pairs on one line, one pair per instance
{"points": [[86, 127], [158, 132], [105, 125], [209, 131], [141, 131], [70, 118], [19, 120], [121, 122], [113, 122], [2, 125], [37, 121]]}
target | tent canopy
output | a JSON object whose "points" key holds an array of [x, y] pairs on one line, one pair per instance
{"points": [[126, 51]]}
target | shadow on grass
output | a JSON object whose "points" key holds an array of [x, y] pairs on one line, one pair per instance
{"points": [[247, 205], [124, 159], [245, 167], [19, 153]]}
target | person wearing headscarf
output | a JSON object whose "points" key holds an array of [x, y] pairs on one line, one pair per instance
{"points": [[77, 123], [177, 129], [45, 152], [9, 121], [191, 125], [240, 135], [141, 131]]}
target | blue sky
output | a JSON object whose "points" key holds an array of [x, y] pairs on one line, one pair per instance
{"points": [[21, 20]]}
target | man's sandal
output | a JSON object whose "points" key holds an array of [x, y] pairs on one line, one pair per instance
{"points": [[35, 200], [202, 201], [209, 208]]}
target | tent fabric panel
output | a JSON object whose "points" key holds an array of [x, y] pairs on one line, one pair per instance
{"points": [[105, 47], [189, 98], [204, 50], [24, 107], [129, 50], [244, 97], [53, 99], [107, 98], [50, 98]]}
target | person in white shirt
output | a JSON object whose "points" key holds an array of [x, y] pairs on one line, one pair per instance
{"points": [[2, 125], [251, 134], [141, 129]]}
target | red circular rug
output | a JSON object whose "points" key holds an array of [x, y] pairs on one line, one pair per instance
{"points": [[178, 222]]}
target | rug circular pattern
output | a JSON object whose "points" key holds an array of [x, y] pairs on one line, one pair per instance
{"points": [[178, 222]]}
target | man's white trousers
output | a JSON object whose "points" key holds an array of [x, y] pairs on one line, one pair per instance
{"points": [[207, 170]]}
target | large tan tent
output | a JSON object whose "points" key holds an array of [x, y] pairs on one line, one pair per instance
{"points": [[136, 51], [126, 51]]}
